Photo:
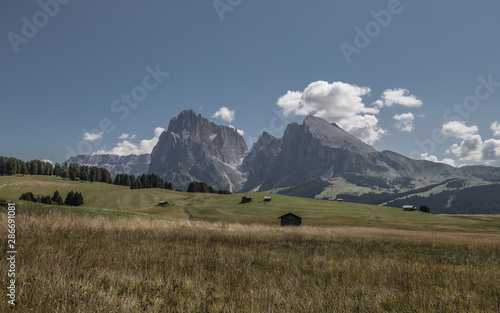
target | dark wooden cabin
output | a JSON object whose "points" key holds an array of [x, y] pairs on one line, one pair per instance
{"points": [[290, 219], [246, 199]]}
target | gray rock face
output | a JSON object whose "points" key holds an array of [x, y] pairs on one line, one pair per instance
{"points": [[128, 164], [259, 160], [318, 149], [195, 149]]}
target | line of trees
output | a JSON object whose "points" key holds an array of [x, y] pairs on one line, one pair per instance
{"points": [[143, 181], [12, 166], [203, 187], [74, 171], [72, 198]]}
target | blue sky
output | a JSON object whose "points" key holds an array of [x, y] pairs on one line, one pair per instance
{"points": [[421, 78]]}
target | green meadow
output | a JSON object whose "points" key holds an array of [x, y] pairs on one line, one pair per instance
{"points": [[227, 208], [121, 252]]}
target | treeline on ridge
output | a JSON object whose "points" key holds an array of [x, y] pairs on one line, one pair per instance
{"points": [[203, 187], [12, 166], [72, 198]]}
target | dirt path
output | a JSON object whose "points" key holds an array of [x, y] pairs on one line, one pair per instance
{"points": [[225, 212]]}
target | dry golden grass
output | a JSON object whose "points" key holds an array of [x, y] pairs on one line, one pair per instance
{"points": [[78, 263]]}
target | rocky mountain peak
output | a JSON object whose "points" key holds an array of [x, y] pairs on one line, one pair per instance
{"points": [[193, 148], [333, 136]]}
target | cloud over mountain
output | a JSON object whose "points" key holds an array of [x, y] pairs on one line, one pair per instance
{"points": [[127, 147], [404, 122], [225, 114], [336, 102]]}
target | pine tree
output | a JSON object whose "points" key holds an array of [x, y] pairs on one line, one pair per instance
{"points": [[23, 168], [2, 165], [73, 171], [58, 170], [78, 199], [57, 199], [41, 167], [105, 176], [33, 167], [70, 198], [11, 166]]}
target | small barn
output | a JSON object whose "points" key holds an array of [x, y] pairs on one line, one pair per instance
{"points": [[290, 219], [267, 198], [409, 208], [246, 199]]}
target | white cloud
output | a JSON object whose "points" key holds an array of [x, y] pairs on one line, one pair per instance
{"points": [[126, 147], [495, 127], [337, 102], [47, 161], [469, 149], [126, 136], [238, 130], [332, 102], [92, 137], [433, 158], [491, 150], [364, 127], [225, 114], [472, 147], [399, 96], [378, 103], [404, 122], [459, 129]]}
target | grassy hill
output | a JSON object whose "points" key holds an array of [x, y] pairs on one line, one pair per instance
{"points": [[228, 209], [122, 253]]}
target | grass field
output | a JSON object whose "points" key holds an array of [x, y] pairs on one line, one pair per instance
{"points": [[73, 262], [122, 253], [227, 208]]}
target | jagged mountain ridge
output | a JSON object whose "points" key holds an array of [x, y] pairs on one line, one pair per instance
{"points": [[317, 149], [195, 149], [334, 161], [115, 164]]}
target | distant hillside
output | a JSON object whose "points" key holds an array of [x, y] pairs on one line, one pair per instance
{"points": [[473, 200], [115, 164], [227, 208], [315, 159]]}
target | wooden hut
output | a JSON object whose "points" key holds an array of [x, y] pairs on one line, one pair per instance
{"points": [[246, 199], [267, 198], [409, 208], [290, 219]]}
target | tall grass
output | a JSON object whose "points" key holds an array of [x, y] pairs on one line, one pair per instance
{"points": [[80, 263]]}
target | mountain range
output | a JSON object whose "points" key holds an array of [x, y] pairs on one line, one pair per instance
{"points": [[313, 159]]}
